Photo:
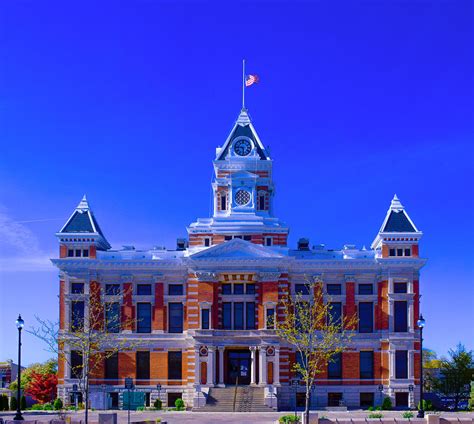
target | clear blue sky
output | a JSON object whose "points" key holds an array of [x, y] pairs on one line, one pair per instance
{"points": [[127, 101]]}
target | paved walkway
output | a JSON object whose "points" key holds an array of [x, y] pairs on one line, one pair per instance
{"points": [[217, 417]]}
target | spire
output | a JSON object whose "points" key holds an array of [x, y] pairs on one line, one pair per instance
{"points": [[83, 204], [244, 118], [396, 205]]}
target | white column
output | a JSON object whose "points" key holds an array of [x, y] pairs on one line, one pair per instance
{"points": [[411, 324], [197, 366], [411, 363], [253, 365], [276, 367], [210, 365], [391, 317], [221, 365], [262, 365], [391, 355]]}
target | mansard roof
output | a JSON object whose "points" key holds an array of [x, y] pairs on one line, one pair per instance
{"points": [[243, 128], [238, 249], [397, 220], [83, 221]]}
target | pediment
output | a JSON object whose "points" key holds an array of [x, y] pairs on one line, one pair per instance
{"points": [[237, 249]]}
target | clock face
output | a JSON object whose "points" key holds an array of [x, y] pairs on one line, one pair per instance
{"points": [[242, 197], [242, 147]]}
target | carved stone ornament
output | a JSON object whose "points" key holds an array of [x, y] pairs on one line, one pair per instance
{"points": [[270, 351], [207, 276], [203, 351], [349, 278], [269, 276]]}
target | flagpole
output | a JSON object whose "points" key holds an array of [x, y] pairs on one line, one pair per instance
{"points": [[243, 83]]}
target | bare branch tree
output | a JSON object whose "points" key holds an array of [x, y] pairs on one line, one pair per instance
{"points": [[310, 325], [93, 338]]}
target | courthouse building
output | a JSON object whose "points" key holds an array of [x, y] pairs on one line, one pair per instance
{"points": [[205, 310]]}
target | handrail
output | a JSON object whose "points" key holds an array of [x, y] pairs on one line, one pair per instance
{"points": [[235, 391]]}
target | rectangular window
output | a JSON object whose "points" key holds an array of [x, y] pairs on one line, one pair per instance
{"points": [[77, 288], [238, 289], [143, 365], [366, 399], [366, 364], [111, 366], [85, 253], [207, 241], [250, 289], [205, 319], [143, 317], [112, 289], [335, 313], [366, 317], [76, 364], [366, 289], [78, 253], [238, 237], [227, 238], [227, 316], [401, 364], [70, 253], [223, 202], [335, 366], [334, 289], [334, 398], [407, 252], [268, 241], [175, 317], [299, 361], [175, 289], [174, 365], [238, 316], [302, 289], [270, 321], [144, 289], [401, 317], [248, 238], [391, 252], [112, 317], [400, 287], [250, 315], [77, 315], [399, 252], [226, 288]]}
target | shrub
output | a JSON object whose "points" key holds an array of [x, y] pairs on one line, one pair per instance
{"points": [[158, 420], [140, 408], [379, 408], [3, 403], [23, 403], [408, 414], [158, 404], [386, 404], [13, 403], [427, 405], [47, 407], [58, 404], [289, 419], [371, 408], [37, 407], [375, 415], [179, 403]]}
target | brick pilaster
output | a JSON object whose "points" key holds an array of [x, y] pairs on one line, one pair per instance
{"points": [[158, 316], [128, 310], [382, 312]]}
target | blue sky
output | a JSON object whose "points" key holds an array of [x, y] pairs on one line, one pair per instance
{"points": [[127, 101]]}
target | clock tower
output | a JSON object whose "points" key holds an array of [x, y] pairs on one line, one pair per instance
{"points": [[242, 193]]}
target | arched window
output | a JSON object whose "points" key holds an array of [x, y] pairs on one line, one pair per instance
{"points": [[262, 200]]}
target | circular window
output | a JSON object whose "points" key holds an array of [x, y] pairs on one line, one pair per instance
{"points": [[242, 197]]}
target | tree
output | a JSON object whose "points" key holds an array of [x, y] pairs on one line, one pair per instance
{"points": [[431, 366], [13, 403], [311, 326], [48, 367], [94, 338], [456, 374], [42, 387]]}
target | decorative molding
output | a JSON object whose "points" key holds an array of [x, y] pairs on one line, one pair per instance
{"points": [[269, 276], [206, 276], [350, 278], [126, 278], [317, 278]]}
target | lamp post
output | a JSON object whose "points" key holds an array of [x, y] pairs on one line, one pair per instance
{"points": [[421, 324], [19, 324]]}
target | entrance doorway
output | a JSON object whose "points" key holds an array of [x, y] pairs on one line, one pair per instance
{"points": [[238, 367]]}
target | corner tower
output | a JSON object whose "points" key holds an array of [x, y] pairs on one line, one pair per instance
{"points": [[243, 192]]}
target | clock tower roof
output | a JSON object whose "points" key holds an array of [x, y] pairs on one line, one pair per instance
{"points": [[243, 128]]}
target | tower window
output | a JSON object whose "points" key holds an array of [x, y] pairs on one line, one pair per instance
{"points": [[391, 252], [70, 253], [223, 200], [399, 252], [407, 252], [262, 197], [268, 241], [78, 253], [207, 241]]}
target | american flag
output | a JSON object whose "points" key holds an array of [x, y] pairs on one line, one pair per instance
{"points": [[251, 79]]}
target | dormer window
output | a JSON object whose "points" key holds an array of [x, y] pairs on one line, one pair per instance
{"points": [[399, 251], [207, 241], [223, 201], [268, 241], [70, 253], [262, 200]]}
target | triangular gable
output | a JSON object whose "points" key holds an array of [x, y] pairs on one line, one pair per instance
{"points": [[398, 223], [236, 249], [243, 128]]}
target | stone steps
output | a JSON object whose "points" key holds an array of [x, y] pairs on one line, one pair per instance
{"points": [[248, 399]]}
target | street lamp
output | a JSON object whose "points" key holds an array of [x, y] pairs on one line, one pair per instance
{"points": [[421, 324], [19, 324]]}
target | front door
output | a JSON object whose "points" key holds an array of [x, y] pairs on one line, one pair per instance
{"points": [[238, 370]]}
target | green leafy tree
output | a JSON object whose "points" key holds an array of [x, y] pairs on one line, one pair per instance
{"points": [[44, 368], [457, 372], [471, 399], [315, 333]]}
